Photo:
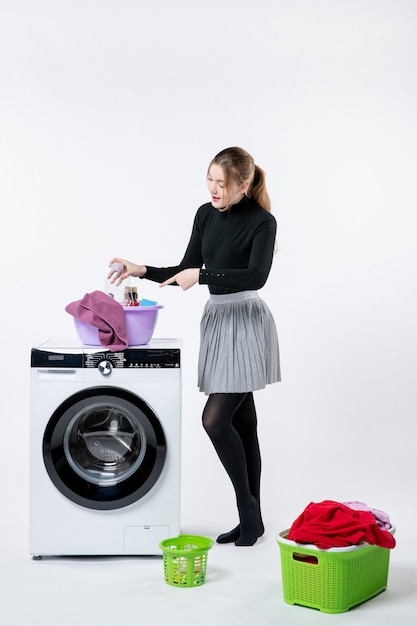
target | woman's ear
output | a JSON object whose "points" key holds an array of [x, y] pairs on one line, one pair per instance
{"points": [[244, 187]]}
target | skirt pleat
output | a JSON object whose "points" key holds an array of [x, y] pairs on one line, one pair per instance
{"points": [[239, 349]]}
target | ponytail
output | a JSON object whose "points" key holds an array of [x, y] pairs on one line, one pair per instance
{"points": [[257, 190]]}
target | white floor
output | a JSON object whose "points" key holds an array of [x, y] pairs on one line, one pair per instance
{"points": [[243, 587]]}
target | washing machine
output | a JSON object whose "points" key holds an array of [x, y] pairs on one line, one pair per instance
{"points": [[105, 438]]}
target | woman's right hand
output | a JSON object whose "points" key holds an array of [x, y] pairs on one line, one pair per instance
{"points": [[129, 269]]}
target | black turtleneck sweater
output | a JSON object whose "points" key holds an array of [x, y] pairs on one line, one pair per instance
{"points": [[233, 248]]}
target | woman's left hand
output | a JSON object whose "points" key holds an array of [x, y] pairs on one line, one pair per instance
{"points": [[185, 279]]}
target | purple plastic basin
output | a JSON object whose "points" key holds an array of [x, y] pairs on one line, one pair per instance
{"points": [[140, 326]]}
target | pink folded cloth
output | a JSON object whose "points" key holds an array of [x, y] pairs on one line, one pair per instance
{"points": [[381, 518], [106, 314]]}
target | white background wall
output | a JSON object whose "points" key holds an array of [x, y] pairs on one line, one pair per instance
{"points": [[110, 112]]}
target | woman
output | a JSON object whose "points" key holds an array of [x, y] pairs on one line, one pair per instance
{"points": [[231, 250]]}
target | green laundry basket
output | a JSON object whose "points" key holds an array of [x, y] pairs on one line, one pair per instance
{"points": [[185, 560], [333, 580]]}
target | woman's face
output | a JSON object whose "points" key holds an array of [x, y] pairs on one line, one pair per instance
{"points": [[221, 197]]}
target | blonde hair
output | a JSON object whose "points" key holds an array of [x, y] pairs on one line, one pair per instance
{"points": [[238, 165]]}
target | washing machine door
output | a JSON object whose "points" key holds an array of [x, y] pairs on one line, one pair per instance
{"points": [[104, 448]]}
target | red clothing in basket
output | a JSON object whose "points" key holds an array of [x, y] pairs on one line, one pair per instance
{"points": [[330, 524]]}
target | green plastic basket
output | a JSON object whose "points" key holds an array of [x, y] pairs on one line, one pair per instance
{"points": [[185, 560], [333, 580]]}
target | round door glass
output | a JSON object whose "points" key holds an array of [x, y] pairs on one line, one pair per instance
{"points": [[104, 448], [104, 444]]}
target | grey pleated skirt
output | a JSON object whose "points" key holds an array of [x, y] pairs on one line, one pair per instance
{"points": [[239, 349]]}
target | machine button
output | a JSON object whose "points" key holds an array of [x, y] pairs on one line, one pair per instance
{"points": [[105, 368]]}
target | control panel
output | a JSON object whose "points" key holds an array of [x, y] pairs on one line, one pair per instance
{"points": [[138, 358]]}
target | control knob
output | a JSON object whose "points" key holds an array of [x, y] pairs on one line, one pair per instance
{"points": [[105, 367]]}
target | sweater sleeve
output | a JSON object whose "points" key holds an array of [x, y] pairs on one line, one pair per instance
{"points": [[255, 275]]}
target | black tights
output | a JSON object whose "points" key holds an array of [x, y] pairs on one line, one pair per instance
{"points": [[231, 423]]}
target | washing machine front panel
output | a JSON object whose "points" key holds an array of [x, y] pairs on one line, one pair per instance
{"points": [[104, 448], [107, 429]]}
